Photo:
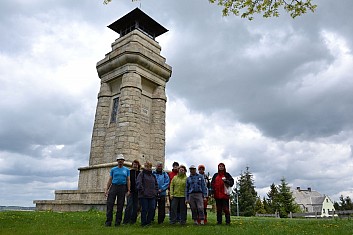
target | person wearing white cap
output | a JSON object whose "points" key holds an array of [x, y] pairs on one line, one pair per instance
{"points": [[196, 193], [117, 187]]}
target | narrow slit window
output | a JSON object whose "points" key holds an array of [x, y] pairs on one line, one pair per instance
{"points": [[114, 110]]}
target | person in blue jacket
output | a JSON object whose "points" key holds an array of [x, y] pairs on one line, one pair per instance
{"points": [[163, 183], [196, 193]]}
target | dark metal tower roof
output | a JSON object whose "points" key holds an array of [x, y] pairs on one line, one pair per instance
{"points": [[137, 19]]}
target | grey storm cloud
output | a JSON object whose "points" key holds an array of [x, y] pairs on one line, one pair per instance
{"points": [[260, 90]]}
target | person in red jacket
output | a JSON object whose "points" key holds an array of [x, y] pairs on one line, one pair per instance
{"points": [[220, 181], [174, 172], [171, 175]]}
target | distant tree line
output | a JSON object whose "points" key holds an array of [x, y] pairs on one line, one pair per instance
{"points": [[344, 204], [279, 199]]}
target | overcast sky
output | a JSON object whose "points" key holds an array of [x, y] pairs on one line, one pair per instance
{"points": [[274, 95]]}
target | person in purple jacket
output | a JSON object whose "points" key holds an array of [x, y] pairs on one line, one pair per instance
{"points": [[147, 188]]}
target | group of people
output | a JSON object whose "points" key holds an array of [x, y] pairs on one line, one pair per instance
{"points": [[149, 189]]}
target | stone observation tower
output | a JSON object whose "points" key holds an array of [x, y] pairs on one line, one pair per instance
{"points": [[130, 114]]}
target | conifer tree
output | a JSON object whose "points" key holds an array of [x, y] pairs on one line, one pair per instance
{"points": [[286, 199], [337, 206], [268, 209], [349, 204], [259, 206], [272, 201], [247, 194], [344, 204]]}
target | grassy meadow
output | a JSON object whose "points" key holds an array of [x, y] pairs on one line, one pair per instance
{"points": [[92, 222]]}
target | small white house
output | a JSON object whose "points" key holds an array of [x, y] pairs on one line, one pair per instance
{"points": [[312, 201]]}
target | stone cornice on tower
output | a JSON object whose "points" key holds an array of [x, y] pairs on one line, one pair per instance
{"points": [[135, 52]]}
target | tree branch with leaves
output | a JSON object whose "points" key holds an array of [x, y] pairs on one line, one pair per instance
{"points": [[268, 8]]}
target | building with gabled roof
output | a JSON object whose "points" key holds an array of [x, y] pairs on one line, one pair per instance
{"points": [[311, 201]]}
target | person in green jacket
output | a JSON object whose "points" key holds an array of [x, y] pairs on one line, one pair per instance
{"points": [[177, 195]]}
